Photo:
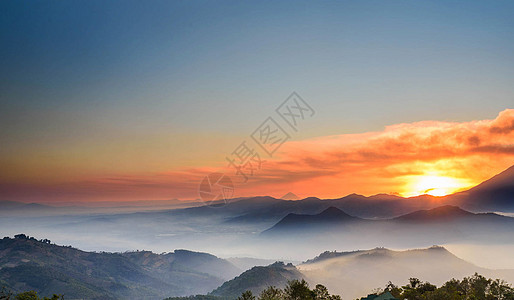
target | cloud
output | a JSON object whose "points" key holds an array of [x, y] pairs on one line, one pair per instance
{"points": [[470, 150], [329, 166]]}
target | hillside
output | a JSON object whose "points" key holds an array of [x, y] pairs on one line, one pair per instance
{"points": [[494, 194], [331, 216], [29, 264], [356, 273], [257, 279]]}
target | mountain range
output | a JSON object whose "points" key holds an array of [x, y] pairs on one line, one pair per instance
{"points": [[29, 264], [438, 225], [237, 226], [356, 273], [493, 195]]}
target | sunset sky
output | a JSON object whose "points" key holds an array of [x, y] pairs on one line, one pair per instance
{"points": [[112, 101]]}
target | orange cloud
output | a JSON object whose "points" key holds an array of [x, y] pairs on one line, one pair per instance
{"points": [[381, 161], [328, 167]]}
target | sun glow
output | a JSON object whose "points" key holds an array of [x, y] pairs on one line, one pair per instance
{"points": [[434, 185]]}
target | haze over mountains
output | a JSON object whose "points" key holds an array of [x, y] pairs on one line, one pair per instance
{"points": [[494, 195], [197, 150], [334, 228], [351, 274], [29, 264], [10, 208], [255, 231], [235, 229]]}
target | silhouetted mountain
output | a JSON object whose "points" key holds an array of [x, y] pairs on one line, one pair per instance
{"points": [[442, 213], [439, 225], [355, 273], [257, 279], [329, 217], [12, 207], [494, 194], [450, 213], [290, 196], [5, 204], [29, 264]]}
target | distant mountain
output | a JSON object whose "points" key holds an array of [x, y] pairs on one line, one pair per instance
{"points": [[438, 225], [5, 204], [14, 208], [450, 213], [290, 196], [331, 216], [494, 194], [9, 208], [246, 263], [356, 273], [257, 279], [442, 213], [29, 264]]}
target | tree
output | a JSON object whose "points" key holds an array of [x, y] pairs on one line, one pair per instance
{"points": [[298, 290], [32, 295], [321, 293], [475, 287], [410, 290], [295, 290], [393, 289], [4, 294], [248, 295], [500, 290], [271, 293]]}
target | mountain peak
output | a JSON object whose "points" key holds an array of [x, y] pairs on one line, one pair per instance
{"points": [[330, 216], [333, 212], [494, 194], [446, 212], [290, 196], [437, 248], [501, 180], [257, 279], [449, 209]]}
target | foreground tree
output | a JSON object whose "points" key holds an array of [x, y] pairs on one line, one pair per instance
{"points": [[321, 293], [248, 295], [298, 290], [475, 287], [271, 293], [295, 290], [30, 295]]}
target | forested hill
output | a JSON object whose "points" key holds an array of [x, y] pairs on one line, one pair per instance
{"points": [[30, 264]]}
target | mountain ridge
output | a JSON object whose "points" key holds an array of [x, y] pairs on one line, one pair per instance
{"points": [[257, 279], [355, 273], [104, 275]]}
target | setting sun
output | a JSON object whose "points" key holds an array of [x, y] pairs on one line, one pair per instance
{"points": [[434, 185]]}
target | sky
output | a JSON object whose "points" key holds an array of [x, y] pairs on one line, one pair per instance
{"points": [[131, 100]]}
